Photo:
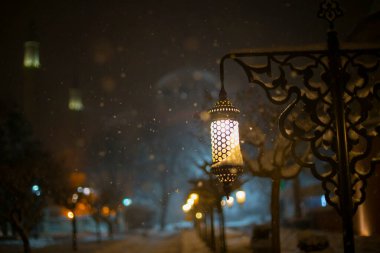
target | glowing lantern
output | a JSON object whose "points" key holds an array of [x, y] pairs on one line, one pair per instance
{"points": [[240, 197], [227, 159]]}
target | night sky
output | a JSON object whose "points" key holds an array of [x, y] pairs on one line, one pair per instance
{"points": [[142, 65]]}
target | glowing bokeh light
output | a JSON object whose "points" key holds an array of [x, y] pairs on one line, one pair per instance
{"points": [[127, 202], [198, 215], [70, 215], [186, 207], [240, 196]]}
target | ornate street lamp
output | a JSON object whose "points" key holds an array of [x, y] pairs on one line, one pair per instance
{"points": [[330, 97], [227, 160]]}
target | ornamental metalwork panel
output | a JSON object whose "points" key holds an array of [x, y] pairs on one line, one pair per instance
{"points": [[302, 82]]}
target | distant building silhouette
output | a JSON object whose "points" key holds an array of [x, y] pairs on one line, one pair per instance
{"points": [[32, 49]]}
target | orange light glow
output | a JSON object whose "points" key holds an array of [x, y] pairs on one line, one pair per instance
{"points": [[81, 207], [364, 229], [105, 210], [77, 178]]}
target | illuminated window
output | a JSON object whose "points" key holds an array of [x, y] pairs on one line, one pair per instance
{"points": [[75, 100], [32, 54]]}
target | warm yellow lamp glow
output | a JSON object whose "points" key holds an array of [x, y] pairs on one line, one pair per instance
{"points": [[225, 143], [190, 201], [240, 197], [70, 215], [227, 160], [186, 207], [230, 201], [198, 215], [194, 196], [31, 54], [363, 224]]}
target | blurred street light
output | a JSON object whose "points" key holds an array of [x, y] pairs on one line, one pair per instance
{"points": [[230, 201], [36, 190], [86, 191], [190, 201], [195, 197], [240, 197], [186, 207], [198, 215], [127, 202], [106, 210], [74, 198], [70, 215]]}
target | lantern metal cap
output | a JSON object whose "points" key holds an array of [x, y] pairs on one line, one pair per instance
{"points": [[223, 109]]}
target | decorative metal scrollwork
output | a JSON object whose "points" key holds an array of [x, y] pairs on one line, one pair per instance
{"points": [[300, 81], [330, 10]]}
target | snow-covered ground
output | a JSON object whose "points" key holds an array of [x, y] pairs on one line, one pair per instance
{"points": [[184, 241]]}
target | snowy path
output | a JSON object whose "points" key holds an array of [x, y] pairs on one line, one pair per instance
{"points": [[187, 241], [140, 244], [131, 244]]}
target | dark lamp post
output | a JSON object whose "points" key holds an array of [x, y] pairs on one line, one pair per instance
{"points": [[227, 160]]}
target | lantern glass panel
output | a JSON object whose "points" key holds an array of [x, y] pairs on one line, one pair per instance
{"points": [[225, 143]]}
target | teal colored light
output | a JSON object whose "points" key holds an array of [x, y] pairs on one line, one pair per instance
{"points": [[127, 202], [323, 201], [35, 188]]}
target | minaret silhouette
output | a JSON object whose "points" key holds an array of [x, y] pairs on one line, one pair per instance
{"points": [[31, 74], [75, 125]]}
